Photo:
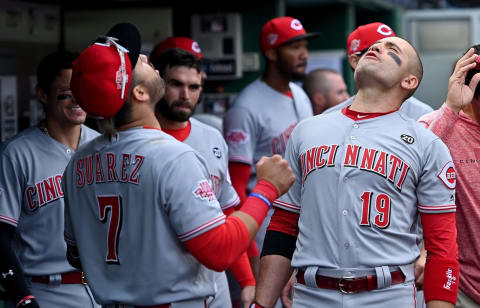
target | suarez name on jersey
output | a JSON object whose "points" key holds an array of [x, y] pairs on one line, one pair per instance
{"points": [[108, 167]]}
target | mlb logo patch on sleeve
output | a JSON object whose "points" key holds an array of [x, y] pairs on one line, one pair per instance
{"points": [[448, 175]]}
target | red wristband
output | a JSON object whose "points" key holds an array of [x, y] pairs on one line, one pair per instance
{"points": [[266, 189], [441, 280], [25, 301]]}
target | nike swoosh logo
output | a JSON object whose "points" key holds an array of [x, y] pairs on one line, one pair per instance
{"points": [[362, 116]]}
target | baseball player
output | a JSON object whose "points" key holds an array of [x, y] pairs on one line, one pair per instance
{"points": [[325, 88], [362, 177], [33, 266], [264, 114], [357, 44], [155, 227], [182, 74]]}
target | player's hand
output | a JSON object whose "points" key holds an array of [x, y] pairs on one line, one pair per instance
{"points": [[276, 170], [419, 267], [459, 95], [247, 296], [287, 292]]}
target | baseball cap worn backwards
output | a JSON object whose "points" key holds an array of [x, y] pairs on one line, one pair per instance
{"points": [[364, 36], [282, 30], [183, 43], [102, 74]]}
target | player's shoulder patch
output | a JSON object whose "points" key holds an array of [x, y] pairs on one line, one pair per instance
{"points": [[407, 138], [203, 191], [448, 175], [217, 152], [237, 137]]}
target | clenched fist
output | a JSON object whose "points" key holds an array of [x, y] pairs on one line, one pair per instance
{"points": [[276, 170]]}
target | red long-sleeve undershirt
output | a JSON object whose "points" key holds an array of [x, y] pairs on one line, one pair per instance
{"points": [[240, 175]]}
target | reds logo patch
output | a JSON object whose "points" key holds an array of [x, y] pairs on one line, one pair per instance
{"points": [[448, 175], [236, 137], [203, 191]]}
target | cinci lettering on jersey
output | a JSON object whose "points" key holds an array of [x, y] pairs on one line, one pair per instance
{"points": [[44, 192], [108, 167], [384, 164], [279, 143]]}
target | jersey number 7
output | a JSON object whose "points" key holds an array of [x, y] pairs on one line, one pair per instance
{"points": [[112, 205]]}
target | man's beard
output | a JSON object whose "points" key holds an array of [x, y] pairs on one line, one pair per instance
{"points": [[285, 69], [170, 113]]}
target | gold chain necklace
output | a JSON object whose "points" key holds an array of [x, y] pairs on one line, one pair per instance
{"points": [[43, 127]]}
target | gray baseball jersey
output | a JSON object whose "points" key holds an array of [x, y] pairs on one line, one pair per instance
{"points": [[359, 188], [31, 198], [260, 122], [211, 145], [141, 193], [412, 107]]}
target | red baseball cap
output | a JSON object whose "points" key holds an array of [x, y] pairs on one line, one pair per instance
{"points": [[282, 30], [183, 43], [102, 74], [364, 36]]}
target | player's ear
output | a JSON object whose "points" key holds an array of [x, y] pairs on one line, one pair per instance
{"points": [[41, 95], [410, 82], [271, 54], [140, 93], [353, 60]]}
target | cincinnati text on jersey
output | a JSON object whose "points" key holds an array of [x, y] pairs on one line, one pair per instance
{"points": [[387, 165], [123, 168], [44, 192], [279, 143]]}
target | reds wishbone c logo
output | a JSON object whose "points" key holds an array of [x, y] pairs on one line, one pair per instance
{"points": [[448, 175], [384, 30], [196, 48], [296, 24]]}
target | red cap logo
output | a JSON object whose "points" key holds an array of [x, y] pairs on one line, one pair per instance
{"points": [[366, 35], [184, 43], [281, 30]]}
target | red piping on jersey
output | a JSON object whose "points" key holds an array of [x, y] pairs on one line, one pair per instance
{"points": [[180, 134], [357, 116]]}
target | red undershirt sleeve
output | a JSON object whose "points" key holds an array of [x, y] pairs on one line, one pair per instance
{"points": [[284, 221], [441, 268], [240, 174], [241, 268]]}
